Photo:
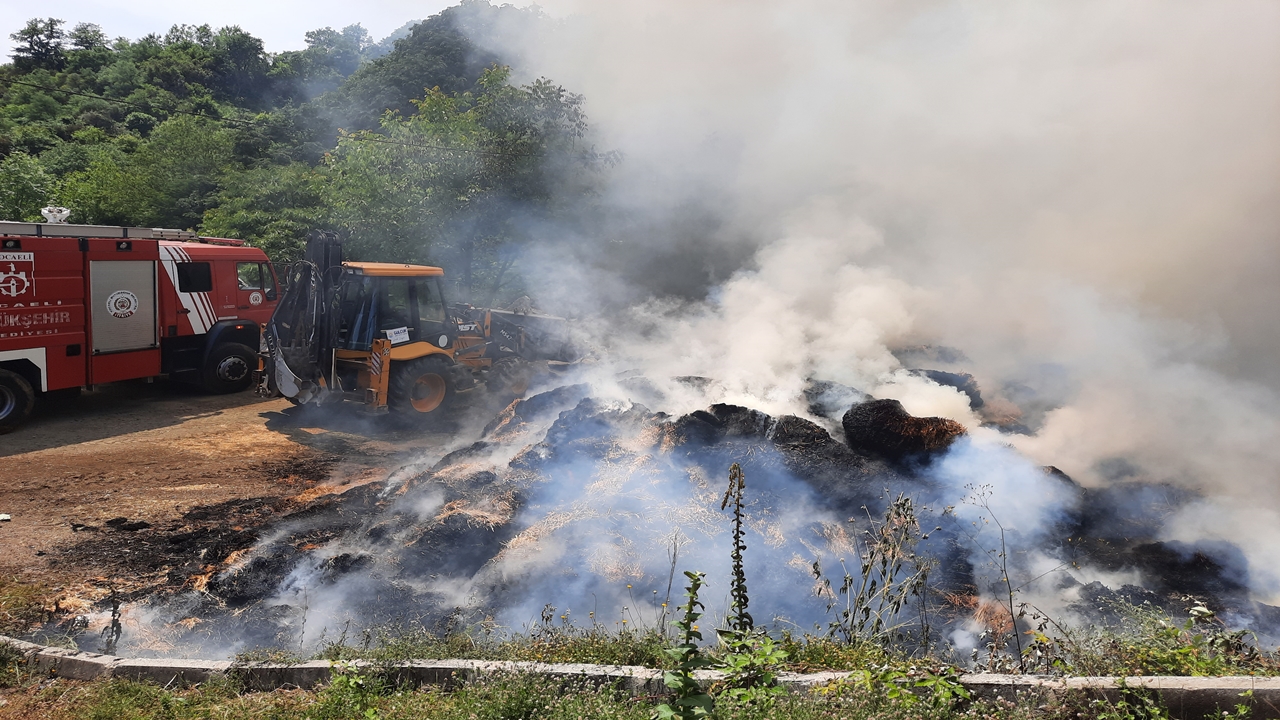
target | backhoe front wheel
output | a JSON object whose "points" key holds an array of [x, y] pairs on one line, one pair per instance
{"points": [[509, 378], [421, 388]]}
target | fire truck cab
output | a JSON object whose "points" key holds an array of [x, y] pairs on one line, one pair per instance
{"points": [[82, 305]]}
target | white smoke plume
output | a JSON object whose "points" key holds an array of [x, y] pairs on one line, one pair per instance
{"points": [[1079, 196]]}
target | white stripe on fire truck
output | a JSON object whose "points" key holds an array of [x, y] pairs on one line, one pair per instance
{"points": [[199, 317], [171, 270], [207, 299], [209, 315], [189, 303]]}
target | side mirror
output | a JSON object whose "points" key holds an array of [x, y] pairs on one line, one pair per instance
{"points": [[270, 293]]}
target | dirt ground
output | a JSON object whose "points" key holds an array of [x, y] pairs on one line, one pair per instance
{"points": [[136, 485]]}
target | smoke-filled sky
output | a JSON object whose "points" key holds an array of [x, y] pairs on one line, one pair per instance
{"points": [[281, 25], [1082, 197], [1127, 147]]}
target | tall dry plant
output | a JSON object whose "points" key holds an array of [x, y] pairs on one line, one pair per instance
{"points": [[890, 574]]}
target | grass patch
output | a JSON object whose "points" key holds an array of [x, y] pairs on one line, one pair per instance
{"points": [[12, 670], [565, 643], [21, 606], [502, 697], [1145, 640], [270, 656], [1138, 640], [811, 653], [571, 644]]}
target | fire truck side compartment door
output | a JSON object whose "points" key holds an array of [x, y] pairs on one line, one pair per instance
{"points": [[123, 305]]}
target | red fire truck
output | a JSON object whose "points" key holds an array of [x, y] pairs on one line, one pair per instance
{"points": [[82, 305]]}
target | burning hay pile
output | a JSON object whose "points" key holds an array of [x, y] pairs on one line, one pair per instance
{"points": [[590, 503]]}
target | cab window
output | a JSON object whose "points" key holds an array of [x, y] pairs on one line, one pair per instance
{"points": [[369, 307], [250, 275], [355, 308], [395, 306], [194, 277], [430, 301]]}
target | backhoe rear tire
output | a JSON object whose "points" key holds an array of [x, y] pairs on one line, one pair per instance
{"points": [[17, 400], [420, 388]]}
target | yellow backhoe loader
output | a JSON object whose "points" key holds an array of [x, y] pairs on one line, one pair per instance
{"points": [[383, 334]]}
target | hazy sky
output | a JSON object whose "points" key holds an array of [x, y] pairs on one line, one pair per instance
{"points": [[280, 24]]}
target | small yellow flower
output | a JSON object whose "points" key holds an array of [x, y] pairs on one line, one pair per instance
{"points": [[628, 587]]}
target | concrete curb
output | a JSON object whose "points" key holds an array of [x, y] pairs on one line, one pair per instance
{"points": [[1186, 697]]}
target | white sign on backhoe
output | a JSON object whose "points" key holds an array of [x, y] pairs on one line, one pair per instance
{"points": [[398, 335]]}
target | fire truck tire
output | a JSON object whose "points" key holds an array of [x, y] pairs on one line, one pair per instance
{"points": [[509, 378], [420, 388], [17, 400], [229, 368]]}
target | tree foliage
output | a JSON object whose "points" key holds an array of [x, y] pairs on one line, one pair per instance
{"points": [[24, 185], [465, 181], [418, 148], [39, 44]]}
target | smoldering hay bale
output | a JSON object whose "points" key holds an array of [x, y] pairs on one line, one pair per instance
{"points": [[570, 497], [884, 428]]}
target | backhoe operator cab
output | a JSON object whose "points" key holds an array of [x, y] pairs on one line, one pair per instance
{"points": [[400, 310], [402, 303]]}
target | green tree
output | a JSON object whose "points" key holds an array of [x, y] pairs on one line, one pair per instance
{"points": [[170, 180], [108, 191], [274, 206], [466, 180], [330, 57], [87, 36], [25, 187], [39, 44], [240, 67], [438, 52]]}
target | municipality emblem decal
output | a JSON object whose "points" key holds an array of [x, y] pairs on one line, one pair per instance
{"points": [[122, 304], [17, 274]]}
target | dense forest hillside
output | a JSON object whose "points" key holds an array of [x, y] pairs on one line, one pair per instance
{"points": [[415, 148]]}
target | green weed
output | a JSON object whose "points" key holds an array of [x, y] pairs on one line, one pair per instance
{"points": [[690, 701], [749, 657], [564, 642], [349, 694]]}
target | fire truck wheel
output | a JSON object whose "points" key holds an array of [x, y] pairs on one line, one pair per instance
{"points": [[509, 378], [229, 368], [17, 400], [421, 388]]}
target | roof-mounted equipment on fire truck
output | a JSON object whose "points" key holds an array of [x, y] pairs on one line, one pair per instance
{"points": [[62, 229], [55, 214]]}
